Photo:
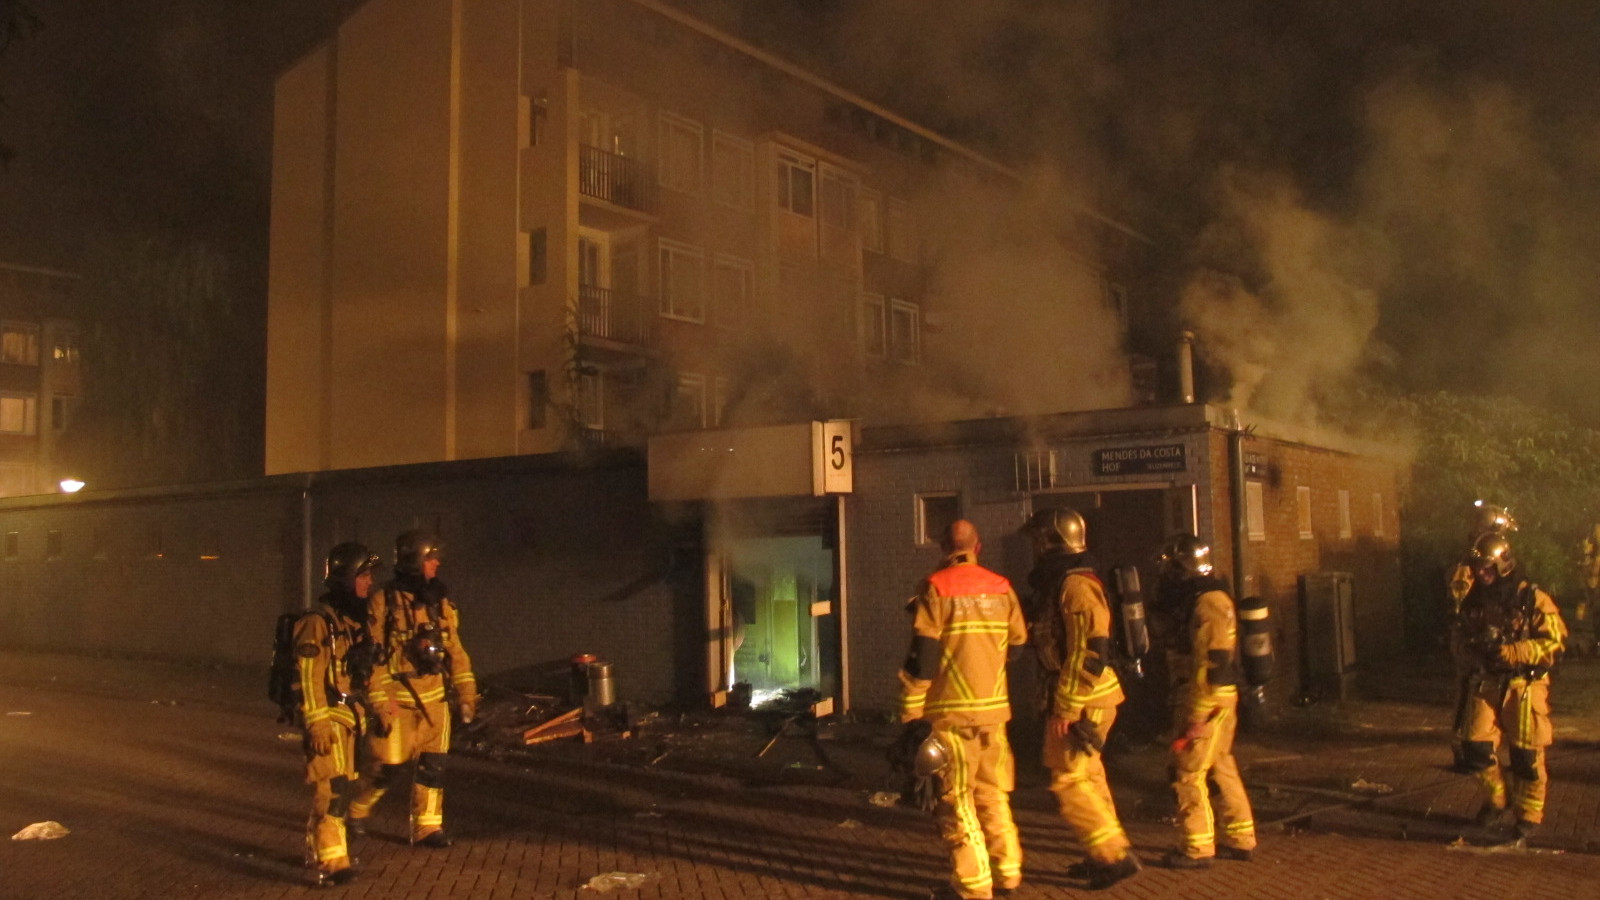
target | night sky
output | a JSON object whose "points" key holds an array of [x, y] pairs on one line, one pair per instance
{"points": [[1411, 187]]}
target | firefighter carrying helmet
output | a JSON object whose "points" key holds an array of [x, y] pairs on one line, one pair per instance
{"points": [[1490, 519], [347, 562], [932, 757], [1492, 550], [1060, 527], [1186, 556], [411, 548]]}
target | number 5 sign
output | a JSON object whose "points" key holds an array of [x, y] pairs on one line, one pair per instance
{"points": [[833, 457]]}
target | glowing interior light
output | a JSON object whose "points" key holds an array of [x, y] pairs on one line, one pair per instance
{"points": [[71, 485]]}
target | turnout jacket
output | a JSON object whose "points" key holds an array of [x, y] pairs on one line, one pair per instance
{"points": [[1086, 677], [1206, 663], [395, 617], [1515, 630], [323, 639], [964, 621]]}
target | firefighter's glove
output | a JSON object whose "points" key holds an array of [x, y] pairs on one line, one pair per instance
{"points": [[1084, 733], [321, 737], [388, 713], [468, 702]]}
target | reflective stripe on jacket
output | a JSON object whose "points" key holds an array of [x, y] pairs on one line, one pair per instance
{"points": [[973, 617]]}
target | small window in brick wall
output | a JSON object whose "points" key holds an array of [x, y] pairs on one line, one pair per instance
{"points": [[1255, 510], [1302, 498], [52, 544], [935, 512], [1346, 529], [1377, 515]]}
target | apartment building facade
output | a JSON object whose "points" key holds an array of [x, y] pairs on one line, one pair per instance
{"points": [[39, 375], [509, 226]]}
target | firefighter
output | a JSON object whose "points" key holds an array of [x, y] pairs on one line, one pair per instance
{"points": [[330, 649], [422, 665], [1071, 636], [1514, 634], [1203, 657], [1486, 520], [966, 620]]}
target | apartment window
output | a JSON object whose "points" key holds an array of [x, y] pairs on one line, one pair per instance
{"points": [[797, 184], [64, 347], [935, 512], [538, 256], [838, 198], [689, 403], [733, 171], [901, 235], [1255, 511], [1377, 515], [1345, 530], [732, 288], [13, 544], [538, 401], [682, 153], [682, 282], [1302, 501], [870, 206], [874, 333], [590, 402], [19, 343], [18, 413], [905, 332]]}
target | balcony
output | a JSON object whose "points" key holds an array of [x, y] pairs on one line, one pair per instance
{"points": [[619, 180], [616, 318]]}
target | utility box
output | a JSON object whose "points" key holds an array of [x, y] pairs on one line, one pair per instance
{"points": [[1328, 634]]}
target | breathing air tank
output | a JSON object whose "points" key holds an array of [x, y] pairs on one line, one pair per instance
{"points": [[1130, 616], [1255, 644]]}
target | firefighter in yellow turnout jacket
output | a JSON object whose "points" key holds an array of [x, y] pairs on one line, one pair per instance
{"points": [[966, 619], [1515, 634], [1203, 658], [1072, 638], [1486, 520], [333, 654], [422, 661]]}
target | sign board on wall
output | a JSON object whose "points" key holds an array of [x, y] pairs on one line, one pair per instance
{"points": [[1141, 460]]}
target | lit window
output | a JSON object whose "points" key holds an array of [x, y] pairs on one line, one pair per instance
{"points": [[19, 343], [18, 413], [796, 184], [64, 347], [905, 332], [1345, 529], [874, 334], [733, 171], [1255, 507], [732, 286], [682, 153], [682, 284], [902, 235], [870, 214], [935, 512], [1302, 498]]}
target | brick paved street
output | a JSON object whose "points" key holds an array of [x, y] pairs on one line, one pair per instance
{"points": [[175, 782]]}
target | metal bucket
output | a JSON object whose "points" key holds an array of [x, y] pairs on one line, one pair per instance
{"points": [[602, 689]]}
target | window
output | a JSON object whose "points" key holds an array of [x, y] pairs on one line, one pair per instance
{"points": [[18, 413], [538, 401], [874, 334], [19, 343], [796, 184], [871, 220], [689, 403], [682, 154], [682, 282], [732, 287], [935, 512], [901, 234], [1345, 530], [905, 332], [60, 411], [538, 256], [1302, 499], [64, 348], [1378, 529], [733, 171], [590, 402], [838, 199], [1255, 507]]}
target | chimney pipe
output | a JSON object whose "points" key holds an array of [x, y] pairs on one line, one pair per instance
{"points": [[1186, 366]]}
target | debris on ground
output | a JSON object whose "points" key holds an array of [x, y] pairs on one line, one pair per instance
{"points": [[19, 712], [1519, 846], [612, 881], [850, 823], [288, 735], [1363, 786], [883, 798], [42, 831]]}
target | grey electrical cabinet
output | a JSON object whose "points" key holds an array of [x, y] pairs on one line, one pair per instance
{"points": [[1328, 634]]}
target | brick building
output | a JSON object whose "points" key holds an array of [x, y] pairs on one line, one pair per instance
{"points": [[39, 375]]}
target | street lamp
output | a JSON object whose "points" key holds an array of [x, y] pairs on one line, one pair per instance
{"points": [[71, 485]]}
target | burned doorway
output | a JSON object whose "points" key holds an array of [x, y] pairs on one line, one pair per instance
{"points": [[777, 612]]}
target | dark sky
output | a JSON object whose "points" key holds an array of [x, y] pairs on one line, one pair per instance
{"points": [[1363, 190]]}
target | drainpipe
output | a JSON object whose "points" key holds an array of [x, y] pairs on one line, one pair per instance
{"points": [[1186, 366], [1242, 585]]}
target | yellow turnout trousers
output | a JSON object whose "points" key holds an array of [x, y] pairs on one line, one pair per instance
{"points": [[1212, 754], [974, 812], [1078, 779], [330, 776], [416, 738], [1521, 711]]}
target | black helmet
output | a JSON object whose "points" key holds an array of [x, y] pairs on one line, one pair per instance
{"points": [[346, 563], [1186, 556], [1492, 550], [1061, 527], [411, 548]]}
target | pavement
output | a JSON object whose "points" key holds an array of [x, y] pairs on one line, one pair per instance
{"points": [[176, 781]]}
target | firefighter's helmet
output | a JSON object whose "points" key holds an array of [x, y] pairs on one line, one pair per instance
{"points": [[932, 757], [1490, 519], [411, 548], [347, 562], [1492, 550], [1186, 556], [1060, 527]]}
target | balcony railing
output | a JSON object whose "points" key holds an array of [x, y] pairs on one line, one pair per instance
{"points": [[615, 316], [615, 179]]}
